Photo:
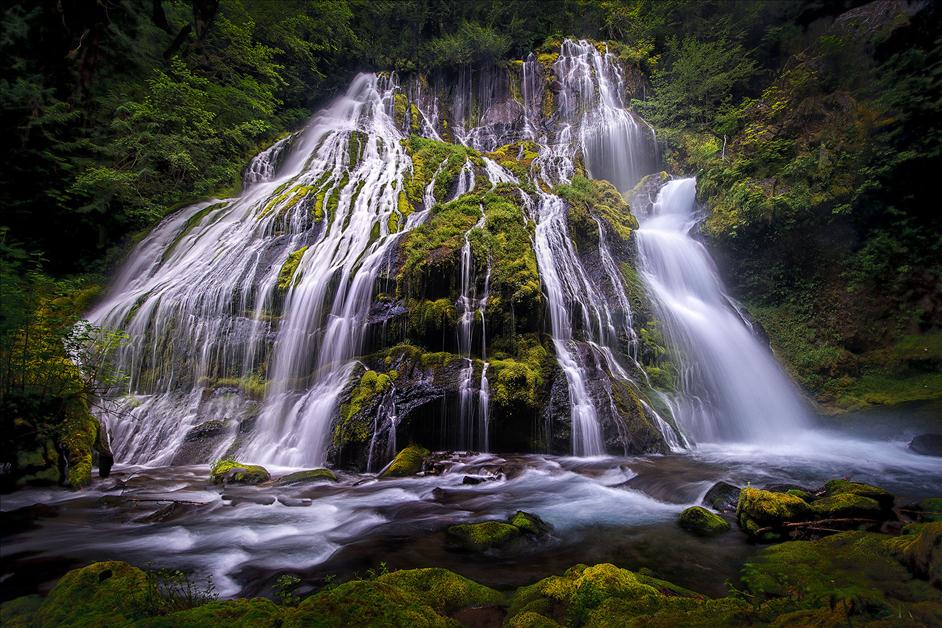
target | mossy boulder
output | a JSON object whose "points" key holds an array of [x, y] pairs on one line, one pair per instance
{"points": [[102, 594], [234, 472], [921, 551], [701, 521], [845, 579], [366, 603], [722, 497], [19, 612], [443, 590], [882, 497], [529, 523], [239, 613], [846, 505], [307, 477], [483, 535], [407, 462], [759, 509]]}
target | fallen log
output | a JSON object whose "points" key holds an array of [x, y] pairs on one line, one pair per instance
{"points": [[816, 524]]}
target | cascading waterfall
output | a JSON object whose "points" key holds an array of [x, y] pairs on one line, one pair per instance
{"points": [[591, 119], [199, 294], [731, 388], [471, 309]]}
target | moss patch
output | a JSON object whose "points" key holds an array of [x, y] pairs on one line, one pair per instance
{"points": [[483, 535], [307, 476], [760, 509], [232, 471], [838, 487], [352, 425], [102, 594], [407, 462], [286, 277], [701, 521], [443, 590]]}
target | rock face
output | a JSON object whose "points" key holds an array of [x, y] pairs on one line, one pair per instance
{"points": [[722, 497], [699, 520], [927, 444], [201, 441], [234, 472]]}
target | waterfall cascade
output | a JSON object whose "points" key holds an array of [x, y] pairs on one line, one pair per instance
{"points": [[248, 315], [731, 387]]}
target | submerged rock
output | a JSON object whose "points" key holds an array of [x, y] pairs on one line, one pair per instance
{"points": [[486, 535], [927, 444], [758, 509], [483, 535], [722, 497], [407, 462], [234, 472], [701, 521], [307, 477]]}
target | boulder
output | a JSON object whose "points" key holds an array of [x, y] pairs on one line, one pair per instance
{"points": [[927, 444], [701, 521], [529, 523], [847, 505], [483, 535], [722, 497], [307, 477], [759, 509], [407, 462], [882, 497], [234, 472]]}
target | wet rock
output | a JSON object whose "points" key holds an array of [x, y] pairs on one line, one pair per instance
{"points": [[846, 505], [249, 498], [474, 479], [484, 535], [234, 472], [169, 512], [529, 523], [722, 497], [507, 112], [701, 521], [884, 498], [758, 509], [308, 476], [294, 501], [407, 462], [927, 444], [200, 442]]}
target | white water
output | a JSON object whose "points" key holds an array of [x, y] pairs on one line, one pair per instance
{"points": [[731, 387], [201, 306]]}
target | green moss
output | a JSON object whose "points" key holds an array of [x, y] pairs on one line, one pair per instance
{"points": [[921, 551], [443, 590], [846, 505], [415, 119], [286, 276], [101, 594], [599, 198], [431, 316], [702, 521], [253, 386], [352, 426], [837, 487], [516, 157], [400, 107], [366, 603], [483, 535], [407, 462], [427, 157], [930, 509], [238, 613], [79, 435], [19, 612], [244, 473], [356, 144], [306, 477], [760, 509], [528, 523], [529, 619]]}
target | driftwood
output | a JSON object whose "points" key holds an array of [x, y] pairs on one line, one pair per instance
{"points": [[816, 525]]}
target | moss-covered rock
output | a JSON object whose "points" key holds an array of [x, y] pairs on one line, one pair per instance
{"points": [[353, 424], [234, 472], [366, 603], [286, 276], [443, 590], [19, 612], [930, 509], [239, 613], [759, 509], [701, 521], [484, 535], [306, 477], [921, 551], [529, 523], [883, 498], [407, 462], [844, 505], [102, 594]]}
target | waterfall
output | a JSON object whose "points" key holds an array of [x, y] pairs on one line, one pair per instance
{"points": [[201, 296], [590, 119], [731, 387], [470, 309]]}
